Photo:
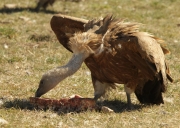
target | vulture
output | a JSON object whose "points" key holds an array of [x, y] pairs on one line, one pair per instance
{"points": [[116, 52], [44, 3]]}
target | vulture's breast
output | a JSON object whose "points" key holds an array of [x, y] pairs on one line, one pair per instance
{"points": [[112, 68]]}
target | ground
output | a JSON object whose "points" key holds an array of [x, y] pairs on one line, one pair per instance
{"points": [[28, 48]]}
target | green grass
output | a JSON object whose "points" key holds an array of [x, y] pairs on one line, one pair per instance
{"points": [[30, 48], [7, 32]]}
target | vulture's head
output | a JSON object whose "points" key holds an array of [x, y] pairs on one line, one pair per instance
{"points": [[83, 45], [49, 80]]}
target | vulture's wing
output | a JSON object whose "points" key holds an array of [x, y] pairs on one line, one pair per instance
{"points": [[142, 49], [65, 26], [150, 49]]}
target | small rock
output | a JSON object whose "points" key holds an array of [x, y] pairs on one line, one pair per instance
{"points": [[74, 84], [24, 18], [88, 73], [10, 6], [6, 46], [175, 41], [3, 121], [105, 109], [169, 100]]}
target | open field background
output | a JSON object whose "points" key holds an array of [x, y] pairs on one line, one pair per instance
{"points": [[28, 48]]}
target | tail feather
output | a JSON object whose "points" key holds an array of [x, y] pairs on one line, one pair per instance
{"points": [[151, 92]]}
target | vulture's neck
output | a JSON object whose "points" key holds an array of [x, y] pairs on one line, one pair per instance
{"points": [[56, 75], [69, 69]]}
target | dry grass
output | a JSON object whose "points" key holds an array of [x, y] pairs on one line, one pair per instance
{"points": [[28, 48]]}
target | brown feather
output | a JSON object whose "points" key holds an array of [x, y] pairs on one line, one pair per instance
{"points": [[63, 25]]}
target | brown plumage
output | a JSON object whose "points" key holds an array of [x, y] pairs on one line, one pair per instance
{"points": [[115, 52], [44, 4]]}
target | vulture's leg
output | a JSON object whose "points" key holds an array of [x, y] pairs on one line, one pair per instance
{"points": [[128, 94], [129, 101], [52, 2], [38, 6], [99, 89], [41, 3]]}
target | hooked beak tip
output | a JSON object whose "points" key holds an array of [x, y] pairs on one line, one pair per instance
{"points": [[37, 93]]}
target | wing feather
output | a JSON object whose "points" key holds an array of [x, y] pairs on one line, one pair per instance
{"points": [[148, 54], [65, 26]]}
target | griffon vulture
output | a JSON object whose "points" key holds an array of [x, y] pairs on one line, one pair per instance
{"points": [[115, 51]]}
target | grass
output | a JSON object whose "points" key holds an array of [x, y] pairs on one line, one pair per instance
{"points": [[28, 48]]}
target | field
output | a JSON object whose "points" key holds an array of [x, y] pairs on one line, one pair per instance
{"points": [[29, 48]]}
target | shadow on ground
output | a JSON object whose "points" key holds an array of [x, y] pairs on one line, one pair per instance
{"points": [[20, 9], [18, 104], [116, 105], [119, 106]]}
